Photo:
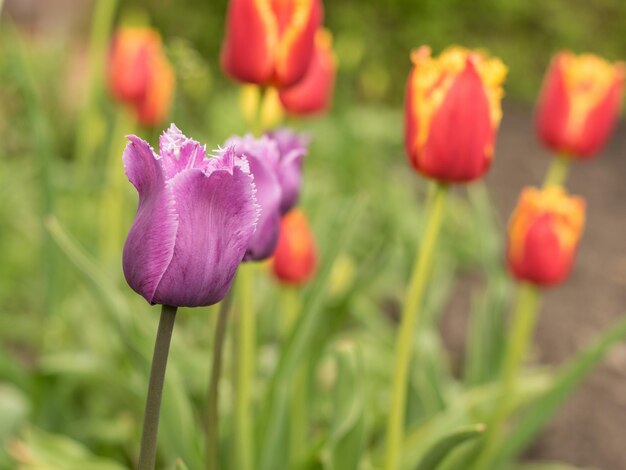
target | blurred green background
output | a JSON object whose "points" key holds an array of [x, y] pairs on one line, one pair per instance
{"points": [[74, 339]]}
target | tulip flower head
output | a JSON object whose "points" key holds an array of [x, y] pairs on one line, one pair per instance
{"points": [[195, 220], [140, 75], [543, 235], [292, 148], [270, 42], [452, 113], [579, 104], [313, 93], [295, 258]]}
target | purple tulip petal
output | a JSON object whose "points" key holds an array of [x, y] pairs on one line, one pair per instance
{"points": [[216, 222], [292, 148], [150, 243], [264, 240], [179, 153]]}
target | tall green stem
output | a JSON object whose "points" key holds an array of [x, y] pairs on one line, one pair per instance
{"points": [[520, 336], [102, 21], [410, 314], [298, 410], [246, 338], [557, 172], [147, 454], [212, 433]]}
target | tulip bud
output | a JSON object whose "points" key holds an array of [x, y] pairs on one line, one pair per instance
{"points": [[579, 104], [543, 235], [452, 113], [313, 93], [295, 257], [270, 42], [140, 75]]}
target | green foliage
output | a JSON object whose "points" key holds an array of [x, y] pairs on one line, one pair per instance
{"points": [[75, 342]]}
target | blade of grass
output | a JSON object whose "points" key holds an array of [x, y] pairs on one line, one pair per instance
{"points": [[437, 453]]}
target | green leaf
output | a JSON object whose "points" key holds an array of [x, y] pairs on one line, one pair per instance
{"points": [[440, 449], [180, 465], [309, 323], [40, 450], [533, 420], [347, 435]]}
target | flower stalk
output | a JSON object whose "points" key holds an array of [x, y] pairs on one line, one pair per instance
{"points": [[410, 314], [520, 335], [212, 432], [557, 172], [147, 454], [245, 340]]}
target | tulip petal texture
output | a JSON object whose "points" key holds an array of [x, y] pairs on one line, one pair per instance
{"points": [[313, 94], [195, 219], [270, 42], [292, 149], [579, 104], [452, 113], [276, 163], [544, 232]]}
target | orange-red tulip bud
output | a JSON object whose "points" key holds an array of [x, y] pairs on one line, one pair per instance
{"points": [[270, 42], [140, 75], [295, 258], [579, 104], [452, 113], [543, 235], [313, 93]]}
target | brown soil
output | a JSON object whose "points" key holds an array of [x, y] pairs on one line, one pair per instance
{"points": [[589, 430]]}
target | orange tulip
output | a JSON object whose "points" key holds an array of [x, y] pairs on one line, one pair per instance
{"points": [[270, 42], [452, 113], [543, 235], [295, 258], [313, 93], [579, 104], [140, 75]]}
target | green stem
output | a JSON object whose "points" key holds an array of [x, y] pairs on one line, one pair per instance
{"points": [[102, 22], [557, 172], [520, 336], [410, 314], [212, 433], [147, 454], [246, 337], [298, 400], [113, 203]]}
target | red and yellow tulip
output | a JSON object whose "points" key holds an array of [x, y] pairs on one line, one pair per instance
{"points": [[543, 235], [313, 94], [140, 75], [579, 104], [270, 42], [452, 113]]}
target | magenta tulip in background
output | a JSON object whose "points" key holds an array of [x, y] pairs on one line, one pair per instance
{"points": [[292, 149], [195, 220]]}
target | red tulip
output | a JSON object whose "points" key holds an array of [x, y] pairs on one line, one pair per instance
{"points": [[313, 93], [543, 235], [579, 104], [452, 113], [295, 258], [140, 75], [270, 42]]}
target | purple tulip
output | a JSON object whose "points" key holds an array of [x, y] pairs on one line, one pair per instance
{"points": [[263, 157], [195, 220], [292, 149]]}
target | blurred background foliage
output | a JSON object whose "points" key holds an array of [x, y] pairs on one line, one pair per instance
{"points": [[74, 340]]}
